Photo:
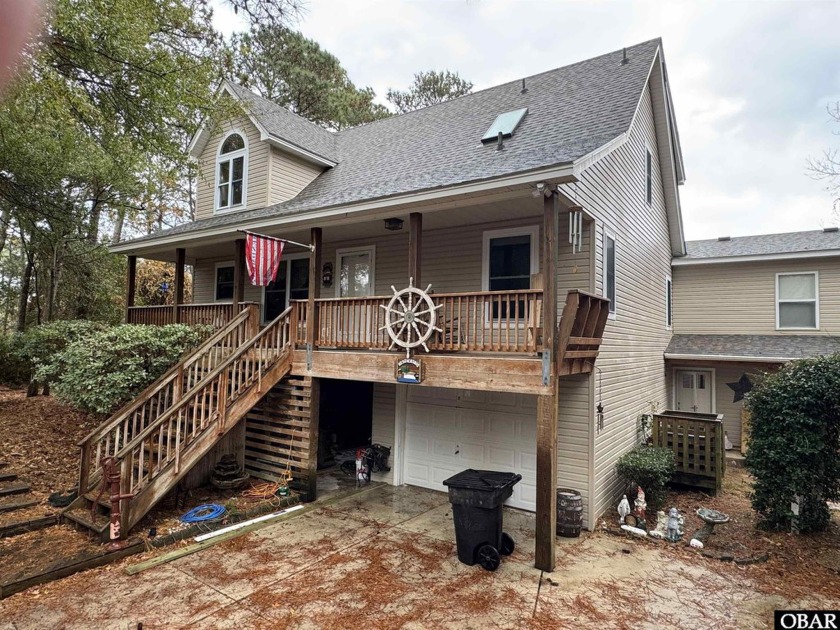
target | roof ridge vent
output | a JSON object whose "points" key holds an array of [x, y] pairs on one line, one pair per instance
{"points": [[831, 228], [724, 238]]}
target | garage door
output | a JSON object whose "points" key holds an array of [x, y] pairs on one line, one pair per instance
{"points": [[450, 430]]}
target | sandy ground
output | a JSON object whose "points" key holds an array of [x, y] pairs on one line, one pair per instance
{"points": [[386, 559]]}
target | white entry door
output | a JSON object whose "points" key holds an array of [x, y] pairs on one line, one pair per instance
{"points": [[693, 390], [450, 430], [355, 280]]}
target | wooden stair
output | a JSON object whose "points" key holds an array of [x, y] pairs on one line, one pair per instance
{"points": [[181, 428], [580, 331]]}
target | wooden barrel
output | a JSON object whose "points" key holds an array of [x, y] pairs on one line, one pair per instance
{"points": [[569, 513]]}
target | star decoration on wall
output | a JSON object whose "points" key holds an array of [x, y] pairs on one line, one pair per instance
{"points": [[741, 387]]}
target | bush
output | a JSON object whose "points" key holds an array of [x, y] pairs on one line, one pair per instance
{"points": [[794, 440], [103, 372], [14, 368], [651, 468], [21, 355]]}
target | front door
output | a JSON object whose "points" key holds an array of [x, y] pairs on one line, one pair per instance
{"points": [[355, 280], [693, 391], [290, 283]]}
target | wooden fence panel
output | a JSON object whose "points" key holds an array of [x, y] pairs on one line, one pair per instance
{"points": [[696, 439]]}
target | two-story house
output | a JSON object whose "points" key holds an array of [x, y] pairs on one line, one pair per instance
{"points": [[538, 220], [743, 306]]}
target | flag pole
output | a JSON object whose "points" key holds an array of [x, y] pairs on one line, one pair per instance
{"points": [[311, 248]]}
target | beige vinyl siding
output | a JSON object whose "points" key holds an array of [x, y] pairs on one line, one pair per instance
{"points": [[257, 177], [288, 175], [384, 418], [632, 371], [740, 298], [574, 429]]}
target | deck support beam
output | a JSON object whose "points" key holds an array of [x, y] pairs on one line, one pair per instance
{"points": [[311, 488], [130, 285], [178, 289], [315, 238], [415, 247], [238, 276], [548, 405]]}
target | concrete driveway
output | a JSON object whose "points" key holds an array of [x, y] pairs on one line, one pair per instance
{"points": [[385, 558]]}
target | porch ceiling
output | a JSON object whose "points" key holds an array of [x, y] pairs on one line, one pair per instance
{"points": [[512, 205]]}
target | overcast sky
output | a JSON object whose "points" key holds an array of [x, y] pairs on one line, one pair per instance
{"points": [[750, 81]]}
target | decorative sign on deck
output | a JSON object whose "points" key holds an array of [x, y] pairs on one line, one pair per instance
{"points": [[410, 318], [409, 371]]}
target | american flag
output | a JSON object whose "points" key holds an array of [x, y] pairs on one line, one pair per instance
{"points": [[263, 258]]}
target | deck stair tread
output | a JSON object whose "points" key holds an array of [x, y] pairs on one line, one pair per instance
{"points": [[15, 488]]}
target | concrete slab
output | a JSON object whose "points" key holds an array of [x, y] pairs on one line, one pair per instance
{"points": [[406, 578], [165, 597], [388, 505], [241, 566]]}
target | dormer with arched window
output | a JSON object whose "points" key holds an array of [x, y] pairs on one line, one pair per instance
{"points": [[232, 172]]}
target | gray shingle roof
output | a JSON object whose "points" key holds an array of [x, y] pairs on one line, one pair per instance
{"points": [[280, 122], [572, 111], [764, 244], [754, 346]]}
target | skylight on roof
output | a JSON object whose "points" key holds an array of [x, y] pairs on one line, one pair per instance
{"points": [[505, 124]]}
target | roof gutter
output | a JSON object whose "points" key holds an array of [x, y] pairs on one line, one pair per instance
{"points": [[688, 261], [727, 357], [559, 174]]}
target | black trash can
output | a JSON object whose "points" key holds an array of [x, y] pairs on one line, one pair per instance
{"points": [[477, 497]]}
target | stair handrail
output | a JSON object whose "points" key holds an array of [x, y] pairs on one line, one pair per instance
{"points": [[279, 325], [176, 372]]}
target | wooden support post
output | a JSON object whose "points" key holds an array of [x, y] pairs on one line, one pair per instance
{"points": [[415, 247], [178, 290], [311, 488], [548, 405], [314, 294], [130, 286], [238, 276]]}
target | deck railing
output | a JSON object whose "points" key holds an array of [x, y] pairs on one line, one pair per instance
{"points": [[696, 440], [213, 314], [484, 321]]}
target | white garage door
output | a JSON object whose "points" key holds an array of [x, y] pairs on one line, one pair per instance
{"points": [[450, 430]]}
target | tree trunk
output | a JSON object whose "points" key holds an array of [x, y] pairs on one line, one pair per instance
{"points": [[4, 227], [25, 280], [118, 226]]}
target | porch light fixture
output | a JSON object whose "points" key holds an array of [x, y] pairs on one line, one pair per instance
{"points": [[539, 189], [327, 275], [393, 224]]}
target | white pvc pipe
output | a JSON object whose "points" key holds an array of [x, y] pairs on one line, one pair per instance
{"points": [[259, 519]]}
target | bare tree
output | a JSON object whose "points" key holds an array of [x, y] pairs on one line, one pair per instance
{"points": [[827, 167]]}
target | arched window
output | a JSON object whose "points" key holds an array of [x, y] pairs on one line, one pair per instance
{"points": [[231, 172]]}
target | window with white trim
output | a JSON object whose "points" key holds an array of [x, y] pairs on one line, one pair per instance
{"points": [[609, 271], [224, 282], [669, 302], [797, 301], [510, 259], [648, 177], [231, 172]]}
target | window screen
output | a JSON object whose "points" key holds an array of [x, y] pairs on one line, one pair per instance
{"points": [[609, 271], [797, 295], [224, 283], [510, 270]]}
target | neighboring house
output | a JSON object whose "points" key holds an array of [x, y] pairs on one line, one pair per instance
{"points": [[743, 306], [476, 197]]}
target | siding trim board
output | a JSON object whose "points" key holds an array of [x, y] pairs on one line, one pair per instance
{"points": [[686, 262]]}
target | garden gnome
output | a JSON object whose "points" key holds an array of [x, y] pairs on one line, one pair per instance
{"points": [[641, 504], [623, 509], [673, 525]]}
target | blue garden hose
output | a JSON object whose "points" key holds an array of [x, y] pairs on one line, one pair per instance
{"points": [[206, 512]]}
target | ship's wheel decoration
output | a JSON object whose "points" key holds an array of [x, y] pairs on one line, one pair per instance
{"points": [[410, 318]]}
